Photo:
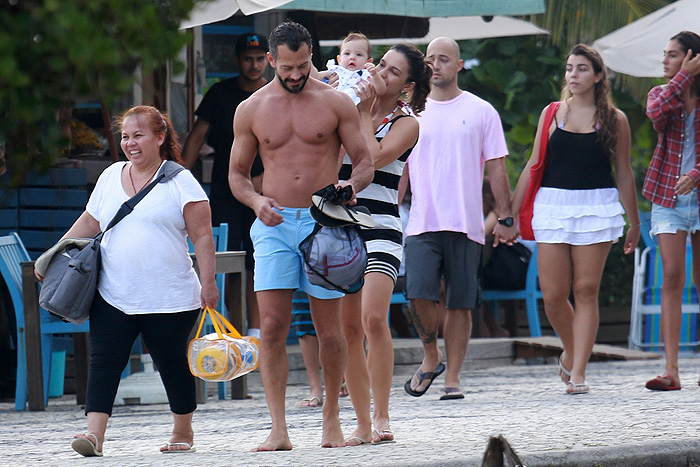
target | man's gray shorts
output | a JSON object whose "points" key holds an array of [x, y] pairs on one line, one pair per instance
{"points": [[431, 256]]}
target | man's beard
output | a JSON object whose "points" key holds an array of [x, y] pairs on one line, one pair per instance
{"points": [[292, 90]]}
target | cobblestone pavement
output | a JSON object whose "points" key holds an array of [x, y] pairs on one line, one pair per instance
{"points": [[618, 424]]}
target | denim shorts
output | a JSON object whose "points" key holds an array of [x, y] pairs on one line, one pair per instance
{"points": [[278, 260], [684, 217]]}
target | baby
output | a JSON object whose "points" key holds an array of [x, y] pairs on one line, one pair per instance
{"points": [[354, 64]]}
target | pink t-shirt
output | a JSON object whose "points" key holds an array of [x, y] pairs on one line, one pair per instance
{"points": [[447, 165]]}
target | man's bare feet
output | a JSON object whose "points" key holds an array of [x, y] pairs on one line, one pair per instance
{"points": [[274, 444], [332, 433]]}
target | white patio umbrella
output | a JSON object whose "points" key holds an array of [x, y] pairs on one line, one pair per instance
{"points": [[463, 28], [636, 49], [211, 12]]}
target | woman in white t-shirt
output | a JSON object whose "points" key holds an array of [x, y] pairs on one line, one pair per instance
{"points": [[147, 283]]}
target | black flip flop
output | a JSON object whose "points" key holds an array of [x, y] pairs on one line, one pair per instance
{"points": [[450, 393], [422, 377]]}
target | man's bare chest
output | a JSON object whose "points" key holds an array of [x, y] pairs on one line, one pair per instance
{"points": [[296, 124]]}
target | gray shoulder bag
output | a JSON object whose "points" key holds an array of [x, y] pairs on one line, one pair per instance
{"points": [[71, 267]]}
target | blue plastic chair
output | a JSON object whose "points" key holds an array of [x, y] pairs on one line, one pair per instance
{"points": [[531, 293], [12, 253], [645, 319], [221, 244], [300, 304]]}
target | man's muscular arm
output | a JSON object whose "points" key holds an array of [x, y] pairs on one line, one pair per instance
{"points": [[245, 146], [351, 137]]}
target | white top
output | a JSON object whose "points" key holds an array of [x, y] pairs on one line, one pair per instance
{"points": [[447, 165], [146, 267]]}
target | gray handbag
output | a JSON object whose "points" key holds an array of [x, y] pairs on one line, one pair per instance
{"points": [[71, 267]]}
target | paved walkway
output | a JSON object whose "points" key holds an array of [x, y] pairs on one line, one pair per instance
{"points": [[618, 424]]}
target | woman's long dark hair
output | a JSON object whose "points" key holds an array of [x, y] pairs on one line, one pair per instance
{"points": [[605, 111], [689, 40], [418, 72]]}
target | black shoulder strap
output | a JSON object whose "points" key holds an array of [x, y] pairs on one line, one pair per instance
{"points": [[167, 171], [391, 122], [398, 117]]}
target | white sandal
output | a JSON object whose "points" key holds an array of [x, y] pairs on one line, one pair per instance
{"points": [[564, 374], [85, 447], [576, 388]]}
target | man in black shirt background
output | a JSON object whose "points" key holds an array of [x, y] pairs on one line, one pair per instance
{"points": [[214, 125]]}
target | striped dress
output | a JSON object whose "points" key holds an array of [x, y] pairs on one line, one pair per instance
{"points": [[384, 240]]}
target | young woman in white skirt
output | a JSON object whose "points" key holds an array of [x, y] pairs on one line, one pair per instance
{"points": [[577, 214]]}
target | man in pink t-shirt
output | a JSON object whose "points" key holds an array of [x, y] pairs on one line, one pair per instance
{"points": [[459, 135]]}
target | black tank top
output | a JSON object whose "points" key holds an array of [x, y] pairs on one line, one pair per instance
{"points": [[576, 161]]}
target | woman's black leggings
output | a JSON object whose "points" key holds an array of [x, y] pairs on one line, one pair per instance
{"points": [[112, 334]]}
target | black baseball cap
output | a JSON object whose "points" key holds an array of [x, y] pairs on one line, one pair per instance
{"points": [[250, 41]]}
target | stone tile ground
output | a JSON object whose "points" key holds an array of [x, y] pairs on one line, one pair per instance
{"points": [[618, 424]]}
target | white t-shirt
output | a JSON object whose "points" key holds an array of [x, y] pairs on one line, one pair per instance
{"points": [[447, 165], [145, 263]]}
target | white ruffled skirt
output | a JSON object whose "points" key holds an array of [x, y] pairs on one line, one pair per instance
{"points": [[577, 217]]}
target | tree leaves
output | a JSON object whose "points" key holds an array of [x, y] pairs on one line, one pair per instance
{"points": [[54, 53]]}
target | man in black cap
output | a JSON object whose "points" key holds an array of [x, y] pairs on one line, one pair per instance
{"points": [[214, 125]]}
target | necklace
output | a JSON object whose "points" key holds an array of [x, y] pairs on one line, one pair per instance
{"points": [[147, 180]]}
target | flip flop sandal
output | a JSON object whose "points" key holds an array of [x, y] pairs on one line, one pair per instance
{"points": [[85, 447], [564, 374], [431, 375], [356, 441], [663, 383], [189, 449], [573, 389], [450, 393], [382, 437], [309, 400]]}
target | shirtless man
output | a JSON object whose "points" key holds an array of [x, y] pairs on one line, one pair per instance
{"points": [[297, 125]]}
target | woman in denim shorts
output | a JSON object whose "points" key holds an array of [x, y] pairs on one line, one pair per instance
{"points": [[671, 184]]}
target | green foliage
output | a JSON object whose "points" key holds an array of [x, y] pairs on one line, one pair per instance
{"points": [[519, 76], [54, 53]]}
